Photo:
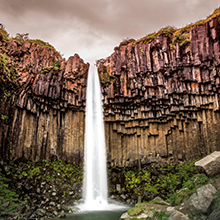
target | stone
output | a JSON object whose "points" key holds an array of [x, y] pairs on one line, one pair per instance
{"points": [[142, 216], [52, 204], [152, 93], [62, 214], [176, 215], [215, 215], [170, 209], [123, 196], [217, 184], [125, 216], [118, 187], [158, 199], [41, 212], [202, 199], [6, 204], [55, 213], [210, 164]]}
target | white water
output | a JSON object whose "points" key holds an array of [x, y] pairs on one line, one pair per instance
{"points": [[95, 189]]}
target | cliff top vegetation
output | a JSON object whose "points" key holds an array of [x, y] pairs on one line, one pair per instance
{"points": [[180, 35], [24, 38]]}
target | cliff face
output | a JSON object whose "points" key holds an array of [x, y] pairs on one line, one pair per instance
{"points": [[42, 103], [161, 97]]}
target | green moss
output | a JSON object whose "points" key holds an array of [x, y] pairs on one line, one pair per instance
{"points": [[7, 196], [56, 64], [180, 35], [44, 45], [4, 63], [169, 179], [135, 210], [126, 42], [147, 39], [4, 33], [4, 117], [161, 215], [215, 14], [105, 76]]}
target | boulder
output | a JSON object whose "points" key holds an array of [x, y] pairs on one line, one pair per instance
{"points": [[210, 164], [214, 215], [125, 216], [201, 201], [176, 215]]}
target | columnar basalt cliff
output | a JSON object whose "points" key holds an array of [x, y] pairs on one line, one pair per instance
{"points": [[42, 102], [161, 96]]}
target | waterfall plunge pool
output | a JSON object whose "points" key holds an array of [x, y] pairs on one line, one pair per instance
{"points": [[96, 215]]}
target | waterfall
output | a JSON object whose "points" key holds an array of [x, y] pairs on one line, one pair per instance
{"points": [[95, 189]]}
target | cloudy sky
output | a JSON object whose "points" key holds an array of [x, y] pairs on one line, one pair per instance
{"points": [[92, 28]]}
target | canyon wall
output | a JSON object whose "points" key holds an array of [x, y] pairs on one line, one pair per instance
{"points": [[42, 103], [161, 98]]}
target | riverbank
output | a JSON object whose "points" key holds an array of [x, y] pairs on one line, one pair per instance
{"points": [[49, 189], [198, 199]]}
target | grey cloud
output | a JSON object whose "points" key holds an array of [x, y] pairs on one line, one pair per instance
{"points": [[95, 25]]}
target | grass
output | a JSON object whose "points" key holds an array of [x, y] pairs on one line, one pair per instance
{"points": [[44, 45], [4, 33], [7, 196], [181, 35], [24, 38], [189, 188]]}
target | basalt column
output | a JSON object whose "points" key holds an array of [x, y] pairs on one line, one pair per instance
{"points": [[42, 103], [161, 100]]}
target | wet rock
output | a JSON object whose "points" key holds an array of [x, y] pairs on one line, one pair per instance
{"points": [[125, 216], [62, 214]]}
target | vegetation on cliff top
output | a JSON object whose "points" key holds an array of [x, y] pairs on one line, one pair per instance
{"points": [[180, 35], [24, 38]]}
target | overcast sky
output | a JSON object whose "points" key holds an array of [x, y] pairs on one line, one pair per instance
{"points": [[92, 28]]}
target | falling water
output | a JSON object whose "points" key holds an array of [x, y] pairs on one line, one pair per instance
{"points": [[95, 190]]}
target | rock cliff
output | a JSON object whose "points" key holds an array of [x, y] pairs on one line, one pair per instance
{"points": [[42, 102], [161, 95]]}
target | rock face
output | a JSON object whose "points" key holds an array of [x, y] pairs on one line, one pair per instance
{"points": [[42, 103], [161, 102], [201, 200], [210, 164]]}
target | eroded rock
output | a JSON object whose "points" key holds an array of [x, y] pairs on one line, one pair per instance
{"points": [[210, 164], [201, 200]]}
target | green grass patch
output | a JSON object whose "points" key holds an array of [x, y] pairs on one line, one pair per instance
{"points": [[7, 197], [180, 35]]}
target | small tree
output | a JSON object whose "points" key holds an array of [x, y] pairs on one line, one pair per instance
{"points": [[22, 37]]}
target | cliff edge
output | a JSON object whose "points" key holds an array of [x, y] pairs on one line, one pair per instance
{"points": [[42, 101], [161, 95]]}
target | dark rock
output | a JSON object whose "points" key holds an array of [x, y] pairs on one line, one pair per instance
{"points": [[62, 214], [215, 215]]}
